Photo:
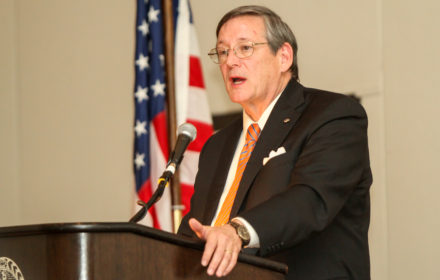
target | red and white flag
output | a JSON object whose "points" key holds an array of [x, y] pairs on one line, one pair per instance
{"points": [[151, 139], [192, 103]]}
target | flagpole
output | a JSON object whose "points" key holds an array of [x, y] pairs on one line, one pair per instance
{"points": [[171, 101]]}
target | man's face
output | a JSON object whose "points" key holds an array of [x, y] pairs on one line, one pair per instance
{"points": [[255, 80]]}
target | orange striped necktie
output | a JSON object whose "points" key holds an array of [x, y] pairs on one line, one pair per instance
{"points": [[251, 138]]}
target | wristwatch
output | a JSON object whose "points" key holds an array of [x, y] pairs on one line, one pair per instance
{"points": [[242, 232]]}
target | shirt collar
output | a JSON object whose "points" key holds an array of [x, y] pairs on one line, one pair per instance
{"points": [[247, 121]]}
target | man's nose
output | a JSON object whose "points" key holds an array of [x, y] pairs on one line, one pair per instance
{"points": [[232, 59]]}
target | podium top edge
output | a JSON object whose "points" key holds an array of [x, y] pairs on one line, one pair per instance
{"points": [[126, 227]]}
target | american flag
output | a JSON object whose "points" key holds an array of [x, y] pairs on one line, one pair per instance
{"points": [[151, 139]]}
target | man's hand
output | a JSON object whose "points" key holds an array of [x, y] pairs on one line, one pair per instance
{"points": [[221, 249]]}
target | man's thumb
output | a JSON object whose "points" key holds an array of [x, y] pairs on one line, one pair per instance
{"points": [[197, 227]]}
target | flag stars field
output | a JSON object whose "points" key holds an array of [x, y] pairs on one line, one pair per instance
{"points": [[139, 160], [153, 15], [142, 62], [141, 94], [143, 28], [158, 88], [140, 128]]}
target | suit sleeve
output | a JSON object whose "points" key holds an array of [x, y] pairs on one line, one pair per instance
{"points": [[328, 170]]}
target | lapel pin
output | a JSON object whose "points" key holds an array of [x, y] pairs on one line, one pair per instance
{"points": [[286, 120]]}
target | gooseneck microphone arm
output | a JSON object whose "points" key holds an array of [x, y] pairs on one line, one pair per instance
{"points": [[163, 182], [186, 133]]}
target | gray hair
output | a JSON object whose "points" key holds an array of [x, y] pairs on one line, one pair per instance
{"points": [[277, 31]]}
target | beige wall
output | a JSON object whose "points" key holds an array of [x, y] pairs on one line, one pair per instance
{"points": [[69, 94], [66, 109], [411, 69], [9, 168]]}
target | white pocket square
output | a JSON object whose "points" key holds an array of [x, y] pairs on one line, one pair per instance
{"points": [[273, 154]]}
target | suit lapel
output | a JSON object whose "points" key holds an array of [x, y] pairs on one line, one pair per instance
{"points": [[283, 117]]}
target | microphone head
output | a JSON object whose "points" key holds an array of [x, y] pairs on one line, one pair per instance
{"points": [[188, 130]]}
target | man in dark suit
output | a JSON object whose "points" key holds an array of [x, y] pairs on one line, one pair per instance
{"points": [[290, 180]]}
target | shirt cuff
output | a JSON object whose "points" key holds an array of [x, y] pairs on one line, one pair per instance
{"points": [[255, 240]]}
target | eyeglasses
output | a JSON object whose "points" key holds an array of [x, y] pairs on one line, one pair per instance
{"points": [[242, 50]]}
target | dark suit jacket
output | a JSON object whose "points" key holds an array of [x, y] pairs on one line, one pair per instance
{"points": [[310, 206]]}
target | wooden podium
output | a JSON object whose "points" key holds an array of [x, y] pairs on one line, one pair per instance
{"points": [[100, 251]]}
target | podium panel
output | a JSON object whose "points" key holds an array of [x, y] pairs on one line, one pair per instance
{"points": [[100, 251]]}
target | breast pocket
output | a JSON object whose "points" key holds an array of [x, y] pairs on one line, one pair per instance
{"points": [[273, 178]]}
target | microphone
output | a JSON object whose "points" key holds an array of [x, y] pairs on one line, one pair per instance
{"points": [[186, 133]]}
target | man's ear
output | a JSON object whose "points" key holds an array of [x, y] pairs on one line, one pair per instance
{"points": [[285, 53]]}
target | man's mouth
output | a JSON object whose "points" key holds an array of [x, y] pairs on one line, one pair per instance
{"points": [[238, 80]]}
